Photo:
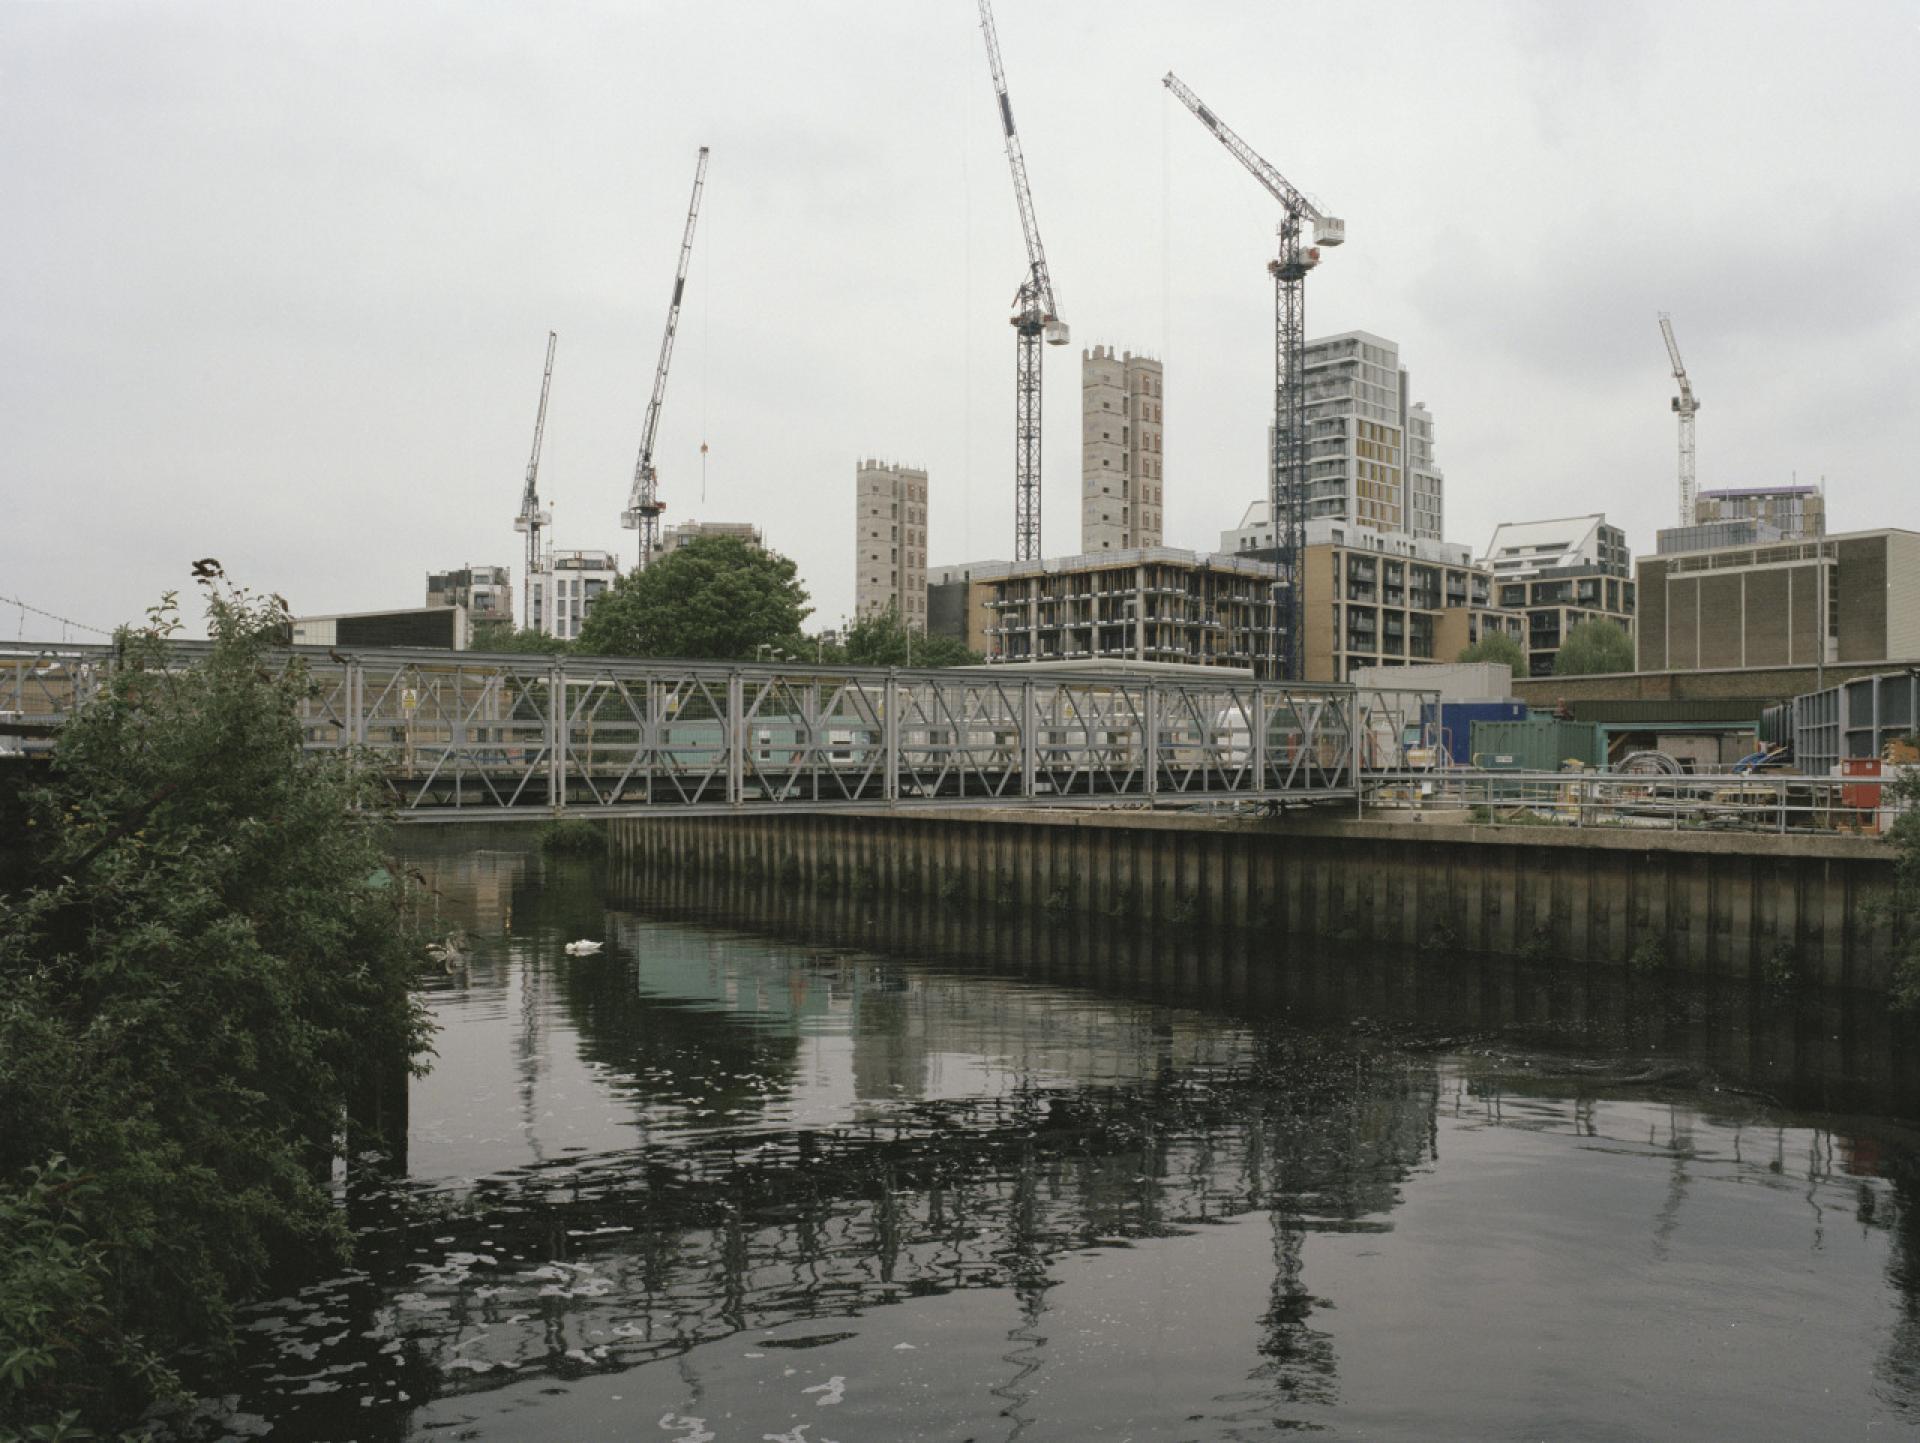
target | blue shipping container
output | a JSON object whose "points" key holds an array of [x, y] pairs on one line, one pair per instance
{"points": [[1453, 729]]}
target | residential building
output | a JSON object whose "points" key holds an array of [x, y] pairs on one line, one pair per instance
{"points": [[1560, 573], [1377, 599], [485, 591], [1369, 447], [678, 536], [1158, 604], [1120, 451], [1839, 599], [1797, 513], [890, 541], [566, 584], [1528, 548]]}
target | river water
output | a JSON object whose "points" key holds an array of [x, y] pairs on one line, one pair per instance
{"points": [[787, 1169]]}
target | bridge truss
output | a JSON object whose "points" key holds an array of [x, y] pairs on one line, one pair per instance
{"points": [[470, 736]]}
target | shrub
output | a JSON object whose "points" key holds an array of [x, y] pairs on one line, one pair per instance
{"points": [[205, 965]]}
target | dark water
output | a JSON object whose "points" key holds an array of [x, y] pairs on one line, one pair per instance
{"points": [[773, 1167]]}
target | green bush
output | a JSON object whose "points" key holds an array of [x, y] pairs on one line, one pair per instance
{"points": [[204, 966]]}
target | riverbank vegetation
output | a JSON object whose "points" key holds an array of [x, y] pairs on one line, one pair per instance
{"points": [[1903, 899], [203, 966]]}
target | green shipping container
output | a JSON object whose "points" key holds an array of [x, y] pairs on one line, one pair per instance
{"points": [[1538, 744]]}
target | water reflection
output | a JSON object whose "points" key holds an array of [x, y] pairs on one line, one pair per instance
{"points": [[778, 1166]]}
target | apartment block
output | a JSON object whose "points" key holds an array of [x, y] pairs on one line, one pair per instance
{"points": [[890, 541], [1797, 513], [1142, 604], [1559, 573], [1121, 450], [565, 586], [1370, 458], [485, 591], [1853, 597], [1377, 599]]}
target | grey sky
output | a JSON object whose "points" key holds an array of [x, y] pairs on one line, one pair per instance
{"points": [[278, 279]]}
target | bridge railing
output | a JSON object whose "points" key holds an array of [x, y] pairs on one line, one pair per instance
{"points": [[471, 734]]}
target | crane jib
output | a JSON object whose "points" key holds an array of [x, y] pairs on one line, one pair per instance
{"points": [[679, 285], [1006, 112]]}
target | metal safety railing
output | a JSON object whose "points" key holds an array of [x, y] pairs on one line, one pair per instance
{"points": [[1703, 801]]}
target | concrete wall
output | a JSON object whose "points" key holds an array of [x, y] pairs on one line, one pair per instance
{"points": [[1728, 906]]}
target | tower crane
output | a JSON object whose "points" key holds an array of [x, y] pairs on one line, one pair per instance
{"points": [[532, 517], [1035, 317], [1684, 406], [1287, 482], [643, 503]]}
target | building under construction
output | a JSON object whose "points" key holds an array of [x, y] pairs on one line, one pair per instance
{"points": [[1153, 603]]}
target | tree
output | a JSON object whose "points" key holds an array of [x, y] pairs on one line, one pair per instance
{"points": [[501, 636], [882, 639], [203, 964], [1497, 646], [1593, 646], [715, 598]]}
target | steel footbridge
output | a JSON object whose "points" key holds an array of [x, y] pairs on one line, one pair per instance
{"points": [[472, 736]]}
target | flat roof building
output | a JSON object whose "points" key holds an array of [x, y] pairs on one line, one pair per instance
{"points": [[1797, 513], [567, 583], [1156, 603], [485, 591], [1121, 450], [890, 542], [1832, 600]]}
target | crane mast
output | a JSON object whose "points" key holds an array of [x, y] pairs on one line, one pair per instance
{"points": [[532, 519], [643, 502], [1684, 405], [1035, 318], [1287, 477]]}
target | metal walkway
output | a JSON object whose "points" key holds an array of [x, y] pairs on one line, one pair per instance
{"points": [[470, 736]]}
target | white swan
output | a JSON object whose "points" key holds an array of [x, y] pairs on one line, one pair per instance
{"points": [[583, 948]]}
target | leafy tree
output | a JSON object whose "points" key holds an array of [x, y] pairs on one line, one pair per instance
{"points": [[202, 965], [1901, 904], [1497, 646], [715, 598], [1593, 646], [883, 639], [501, 636]]}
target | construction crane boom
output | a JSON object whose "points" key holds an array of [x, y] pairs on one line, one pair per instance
{"points": [[1035, 317], [1684, 405], [643, 502], [1287, 481], [532, 519]]}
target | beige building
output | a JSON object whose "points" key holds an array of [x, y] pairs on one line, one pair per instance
{"points": [[1142, 604], [1560, 573], [678, 536], [1120, 451], [1373, 599], [1848, 598], [890, 541]]}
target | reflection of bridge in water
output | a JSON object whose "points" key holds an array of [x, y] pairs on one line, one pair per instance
{"points": [[482, 736]]}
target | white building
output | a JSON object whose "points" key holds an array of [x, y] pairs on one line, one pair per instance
{"points": [[1120, 450], [1523, 549], [890, 541], [565, 585]]}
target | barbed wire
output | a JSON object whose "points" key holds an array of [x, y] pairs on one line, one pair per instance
{"points": [[50, 616]]}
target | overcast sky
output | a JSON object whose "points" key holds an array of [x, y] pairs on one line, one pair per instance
{"points": [[277, 279]]}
